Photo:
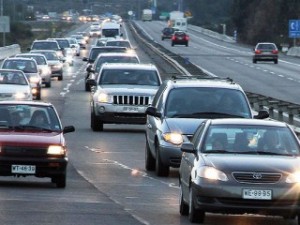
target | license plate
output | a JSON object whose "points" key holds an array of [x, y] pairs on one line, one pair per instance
{"points": [[23, 169], [130, 109], [257, 194]]}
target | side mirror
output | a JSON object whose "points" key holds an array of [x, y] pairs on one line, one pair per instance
{"points": [[68, 129], [188, 147], [89, 69], [262, 115], [85, 59], [152, 111]]}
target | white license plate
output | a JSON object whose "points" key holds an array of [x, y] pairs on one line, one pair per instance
{"points": [[23, 169], [257, 194], [130, 109]]}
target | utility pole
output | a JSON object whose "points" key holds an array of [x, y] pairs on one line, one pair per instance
{"points": [[3, 25]]}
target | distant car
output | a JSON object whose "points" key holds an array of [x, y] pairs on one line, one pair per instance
{"points": [[119, 43], [110, 57], [179, 106], [63, 43], [75, 46], [122, 92], [14, 85], [180, 38], [95, 32], [265, 52], [254, 170], [32, 141], [30, 69], [167, 33], [81, 40], [43, 66], [55, 62], [46, 45]]}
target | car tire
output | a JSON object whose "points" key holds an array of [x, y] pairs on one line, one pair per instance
{"points": [[254, 60], [96, 123], [183, 207], [60, 180], [172, 44], [276, 61], [38, 96], [149, 159], [61, 76], [195, 216], [160, 169], [187, 45], [162, 38], [48, 84]]}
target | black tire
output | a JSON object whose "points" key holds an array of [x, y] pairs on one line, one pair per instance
{"points": [[96, 123], [187, 44], [61, 77], [149, 159], [60, 180], [276, 61], [48, 84], [195, 216], [38, 95], [172, 44], [183, 207], [160, 169], [254, 60]]}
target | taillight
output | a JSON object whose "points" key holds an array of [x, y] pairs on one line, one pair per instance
{"points": [[257, 51], [173, 38], [187, 38], [275, 51]]}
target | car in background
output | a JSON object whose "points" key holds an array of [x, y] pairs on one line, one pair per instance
{"points": [[167, 33], [94, 32], [179, 106], [111, 57], [30, 69], [265, 52], [180, 38], [32, 141], [122, 92], [75, 46], [63, 43], [119, 43], [255, 171], [80, 39], [14, 85], [46, 45], [102, 41], [55, 62], [43, 66]]}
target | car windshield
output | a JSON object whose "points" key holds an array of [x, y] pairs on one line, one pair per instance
{"points": [[50, 55], [248, 139], [12, 77], [40, 60], [115, 59], [27, 66], [63, 43], [202, 102], [22, 117], [130, 77]]}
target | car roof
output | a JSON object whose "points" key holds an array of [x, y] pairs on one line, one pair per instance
{"points": [[203, 81], [245, 121], [35, 103], [42, 50], [10, 70], [30, 54], [141, 66], [129, 54], [20, 58]]}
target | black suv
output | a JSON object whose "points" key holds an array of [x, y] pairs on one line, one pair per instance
{"points": [[167, 33], [178, 108]]}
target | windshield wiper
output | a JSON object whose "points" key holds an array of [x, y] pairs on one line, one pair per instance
{"points": [[217, 151], [271, 153], [29, 127]]}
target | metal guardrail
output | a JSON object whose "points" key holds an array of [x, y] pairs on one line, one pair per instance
{"points": [[279, 110], [9, 51]]}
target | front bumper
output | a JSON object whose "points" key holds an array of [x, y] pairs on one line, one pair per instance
{"points": [[170, 155], [226, 197]]}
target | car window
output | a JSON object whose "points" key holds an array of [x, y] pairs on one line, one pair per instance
{"points": [[202, 102], [114, 59], [15, 77], [250, 139], [45, 45]]}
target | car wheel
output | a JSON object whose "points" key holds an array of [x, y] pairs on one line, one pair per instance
{"points": [[38, 95], [160, 169], [48, 84], [183, 207], [276, 61], [96, 123], [195, 216], [187, 44], [149, 159], [60, 180], [254, 60], [172, 44], [162, 38], [61, 77]]}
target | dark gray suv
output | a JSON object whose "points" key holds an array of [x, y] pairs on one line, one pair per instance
{"points": [[179, 106]]}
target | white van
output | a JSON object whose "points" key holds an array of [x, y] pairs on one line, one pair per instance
{"points": [[111, 29]]}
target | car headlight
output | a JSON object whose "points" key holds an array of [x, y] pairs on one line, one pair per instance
{"points": [[293, 178], [211, 173], [104, 98], [21, 95], [56, 150], [34, 79], [173, 138]]}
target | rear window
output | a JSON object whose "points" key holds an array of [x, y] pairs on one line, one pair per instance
{"points": [[266, 47], [45, 45]]}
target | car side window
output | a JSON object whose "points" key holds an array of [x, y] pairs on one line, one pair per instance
{"points": [[197, 136]]}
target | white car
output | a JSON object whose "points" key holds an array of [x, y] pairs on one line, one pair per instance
{"points": [[14, 85], [74, 45], [42, 64]]}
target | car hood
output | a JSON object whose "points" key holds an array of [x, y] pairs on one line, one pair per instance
{"points": [[11, 88], [136, 89], [183, 125], [31, 138], [256, 163]]}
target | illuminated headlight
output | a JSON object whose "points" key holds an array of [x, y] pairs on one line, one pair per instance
{"points": [[173, 138], [211, 173], [293, 178], [104, 98], [34, 91], [45, 71], [56, 150], [34, 79], [21, 95]]}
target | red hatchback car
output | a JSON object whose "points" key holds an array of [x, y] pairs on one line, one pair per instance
{"points": [[32, 141], [180, 38]]}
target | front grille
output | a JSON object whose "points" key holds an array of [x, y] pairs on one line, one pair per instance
{"points": [[131, 100], [256, 177], [24, 151]]}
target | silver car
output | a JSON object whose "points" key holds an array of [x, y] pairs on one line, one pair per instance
{"points": [[122, 92], [179, 106], [237, 166]]}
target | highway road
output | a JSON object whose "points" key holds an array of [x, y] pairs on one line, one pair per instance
{"points": [[106, 182]]}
